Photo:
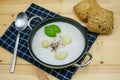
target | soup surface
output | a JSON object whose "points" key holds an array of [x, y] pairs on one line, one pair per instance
{"points": [[47, 55]]}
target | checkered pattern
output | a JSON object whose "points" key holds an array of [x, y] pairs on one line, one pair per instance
{"points": [[7, 41]]}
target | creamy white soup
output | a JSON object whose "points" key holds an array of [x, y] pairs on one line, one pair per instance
{"points": [[48, 55]]}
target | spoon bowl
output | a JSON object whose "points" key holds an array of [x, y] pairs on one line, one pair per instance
{"points": [[21, 21]]}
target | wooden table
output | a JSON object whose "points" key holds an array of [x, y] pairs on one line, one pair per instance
{"points": [[105, 51]]}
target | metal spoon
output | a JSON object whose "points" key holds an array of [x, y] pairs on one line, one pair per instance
{"points": [[20, 23]]}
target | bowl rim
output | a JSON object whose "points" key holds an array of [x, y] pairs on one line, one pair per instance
{"points": [[58, 19]]}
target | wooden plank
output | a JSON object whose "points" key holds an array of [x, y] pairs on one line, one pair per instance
{"points": [[98, 72], [102, 56], [27, 72], [29, 1], [18, 7], [6, 58]]}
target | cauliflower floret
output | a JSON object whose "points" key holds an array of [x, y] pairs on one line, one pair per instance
{"points": [[61, 55]]}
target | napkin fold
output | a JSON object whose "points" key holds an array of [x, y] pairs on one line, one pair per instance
{"points": [[7, 41]]}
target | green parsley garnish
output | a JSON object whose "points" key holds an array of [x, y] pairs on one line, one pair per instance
{"points": [[52, 30]]}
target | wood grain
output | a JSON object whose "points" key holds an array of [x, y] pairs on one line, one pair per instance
{"points": [[105, 50]]}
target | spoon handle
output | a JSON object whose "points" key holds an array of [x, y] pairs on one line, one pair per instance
{"points": [[14, 54]]}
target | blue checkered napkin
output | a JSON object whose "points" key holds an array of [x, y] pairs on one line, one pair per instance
{"points": [[7, 41]]}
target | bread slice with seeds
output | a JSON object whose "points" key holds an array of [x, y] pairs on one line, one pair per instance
{"points": [[100, 20]]}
